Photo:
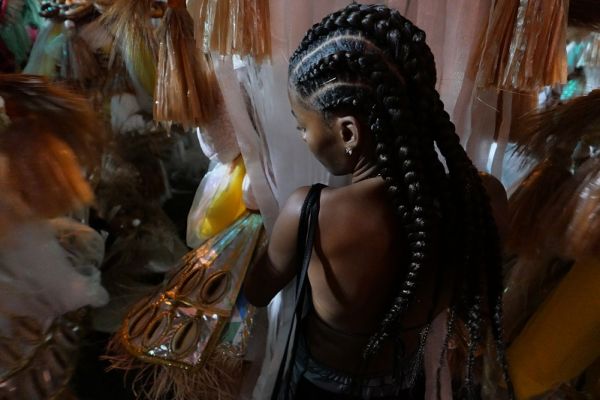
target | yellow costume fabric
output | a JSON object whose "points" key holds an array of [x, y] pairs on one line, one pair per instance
{"points": [[563, 336], [227, 204]]}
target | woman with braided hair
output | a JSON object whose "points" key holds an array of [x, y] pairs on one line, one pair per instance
{"points": [[410, 238]]}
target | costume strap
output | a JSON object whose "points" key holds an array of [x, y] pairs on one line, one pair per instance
{"points": [[306, 235]]}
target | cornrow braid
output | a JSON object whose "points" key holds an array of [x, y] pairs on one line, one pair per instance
{"points": [[375, 63]]}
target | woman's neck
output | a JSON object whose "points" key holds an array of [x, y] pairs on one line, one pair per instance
{"points": [[364, 169]]}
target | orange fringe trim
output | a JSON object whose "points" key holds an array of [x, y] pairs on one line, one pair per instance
{"points": [[186, 89], [524, 48], [229, 27], [219, 379]]}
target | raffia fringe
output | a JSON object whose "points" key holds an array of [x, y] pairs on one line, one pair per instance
{"points": [[229, 27], [524, 46], [219, 379], [527, 203], [559, 127], [186, 88]]}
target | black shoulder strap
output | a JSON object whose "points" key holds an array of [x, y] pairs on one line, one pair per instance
{"points": [[306, 235]]}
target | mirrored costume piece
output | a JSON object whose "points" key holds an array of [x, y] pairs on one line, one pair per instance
{"points": [[193, 333]]}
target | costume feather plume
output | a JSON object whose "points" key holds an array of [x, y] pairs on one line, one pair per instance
{"points": [[186, 88], [585, 14], [559, 127], [134, 38], [53, 133], [573, 215], [525, 43], [66, 114], [528, 201]]}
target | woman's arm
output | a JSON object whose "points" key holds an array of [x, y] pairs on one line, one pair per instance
{"points": [[278, 265]]}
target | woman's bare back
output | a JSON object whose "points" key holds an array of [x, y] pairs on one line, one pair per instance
{"points": [[356, 267]]}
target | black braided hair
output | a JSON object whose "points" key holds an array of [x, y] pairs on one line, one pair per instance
{"points": [[375, 63]]}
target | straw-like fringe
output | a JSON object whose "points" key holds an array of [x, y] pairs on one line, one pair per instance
{"points": [[559, 127], [186, 89], [233, 27], [253, 35], [221, 38], [78, 63], [57, 110], [496, 44], [572, 216], [585, 14], [523, 105], [527, 203], [218, 379], [525, 45], [134, 38]]}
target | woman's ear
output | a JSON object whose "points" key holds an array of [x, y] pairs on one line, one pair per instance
{"points": [[349, 130]]}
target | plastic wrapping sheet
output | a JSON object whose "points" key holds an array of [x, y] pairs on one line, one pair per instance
{"points": [[251, 144], [83, 246], [37, 280], [217, 137], [46, 51], [218, 202]]}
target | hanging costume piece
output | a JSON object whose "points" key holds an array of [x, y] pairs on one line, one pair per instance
{"points": [[528, 201], [186, 88], [233, 27], [129, 22], [53, 134], [195, 329], [19, 20], [47, 270], [560, 127], [556, 345], [524, 45], [78, 64]]}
